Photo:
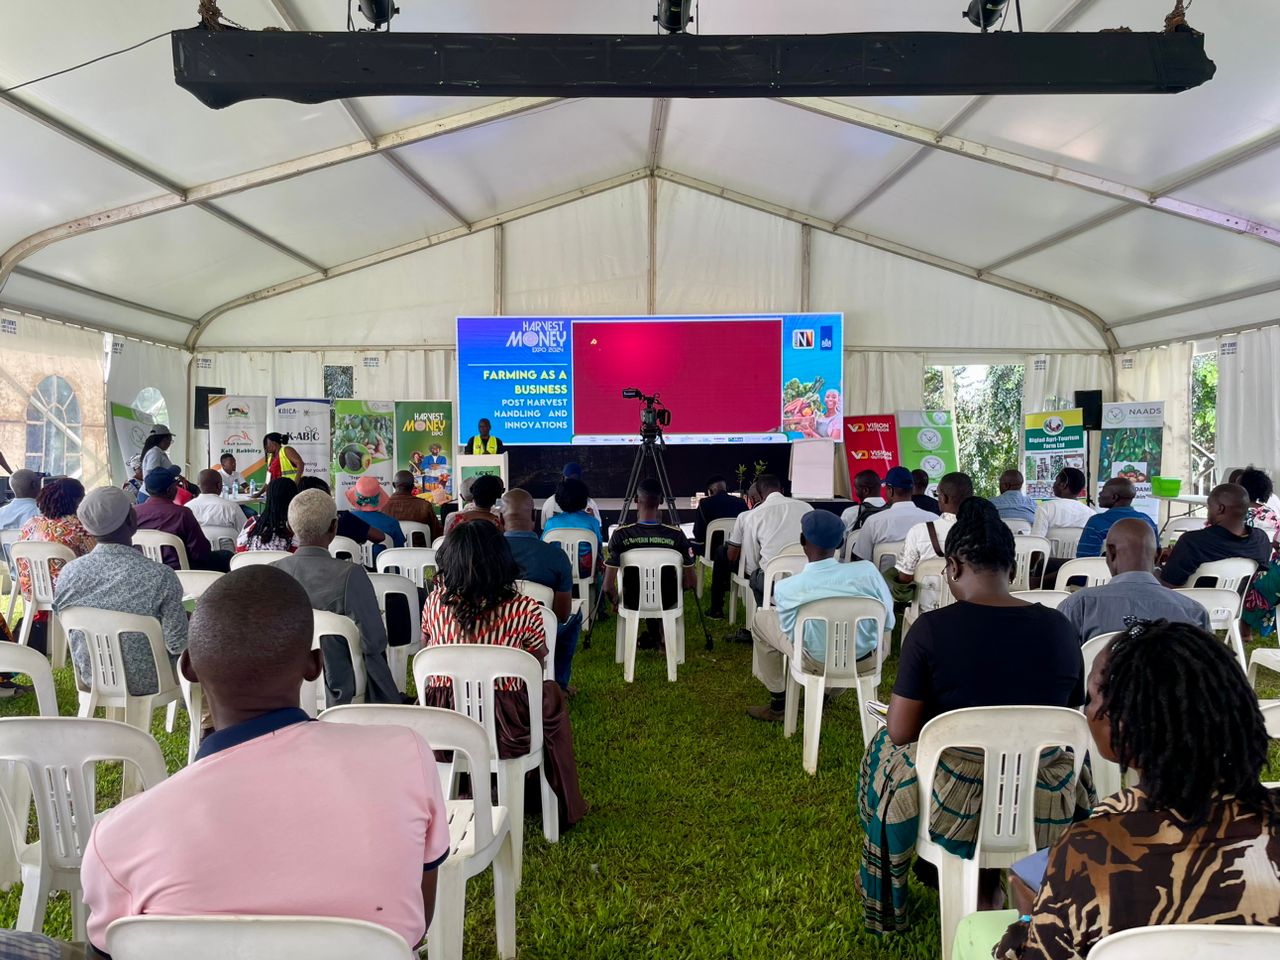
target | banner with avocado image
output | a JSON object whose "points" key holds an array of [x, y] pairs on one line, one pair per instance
{"points": [[424, 432], [1051, 441], [927, 441], [364, 434], [1132, 445]]}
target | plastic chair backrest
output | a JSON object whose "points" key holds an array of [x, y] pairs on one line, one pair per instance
{"points": [[416, 534], [220, 538], [18, 659], [411, 562], [255, 557], [568, 540], [473, 669], [1011, 739], [344, 548], [152, 543], [102, 630], [842, 615], [539, 591], [392, 584], [328, 624], [58, 754], [253, 938], [932, 590], [1271, 717], [1025, 550], [650, 562], [1180, 525], [890, 550], [1094, 646], [1018, 527], [1199, 941], [196, 582], [1094, 570], [1229, 574], [38, 557], [1223, 605], [442, 730], [779, 568], [1046, 598], [717, 533], [1065, 540], [437, 543]]}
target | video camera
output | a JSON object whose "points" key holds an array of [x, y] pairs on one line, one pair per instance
{"points": [[653, 416]]}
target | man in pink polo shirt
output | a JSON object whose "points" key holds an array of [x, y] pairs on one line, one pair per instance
{"points": [[276, 815]]}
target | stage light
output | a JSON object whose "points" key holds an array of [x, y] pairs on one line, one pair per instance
{"points": [[674, 16], [984, 13], [379, 12]]}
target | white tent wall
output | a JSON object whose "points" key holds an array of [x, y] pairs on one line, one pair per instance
{"points": [[1248, 398], [134, 365], [1050, 380], [53, 398], [1163, 373]]}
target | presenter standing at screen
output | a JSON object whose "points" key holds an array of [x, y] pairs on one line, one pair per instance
{"points": [[482, 443]]}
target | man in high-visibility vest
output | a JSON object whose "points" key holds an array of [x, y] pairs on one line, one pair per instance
{"points": [[482, 443]]}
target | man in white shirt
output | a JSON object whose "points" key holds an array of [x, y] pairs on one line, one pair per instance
{"points": [[1065, 509], [761, 534], [229, 475], [953, 490], [894, 523], [211, 509]]}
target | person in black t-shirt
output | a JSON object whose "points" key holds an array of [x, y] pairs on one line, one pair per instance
{"points": [[647, 531], [919, 497], [718, 504], [1226, 536], [986, 649]]}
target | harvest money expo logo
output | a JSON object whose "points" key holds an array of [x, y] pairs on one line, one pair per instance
{"points": [[541, 336]]}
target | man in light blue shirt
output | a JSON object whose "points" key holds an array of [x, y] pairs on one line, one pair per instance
{"points": [[824, 577], [25, 485], [1012, 503]]}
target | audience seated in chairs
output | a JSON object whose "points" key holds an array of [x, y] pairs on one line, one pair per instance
{"points": [[986, 649], [1227, 535], [56, 522], [350, 524], [758, 536], [1133, 590], [160, 512], [1012, 503], [276, 815], [573, 499], [211, 508], [342, 587], [483, 495], [115, 576], [894, 522], [1198, 839], [404, 505], [544, 563], [475, 601], [269, 530], [1116, 502], [823, 577], [1261, 514], [925, 540], [718, 504], [367, 498], [551, 506], [866, 487]]}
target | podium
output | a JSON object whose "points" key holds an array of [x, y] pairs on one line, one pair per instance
{"points": [[468, 466]]}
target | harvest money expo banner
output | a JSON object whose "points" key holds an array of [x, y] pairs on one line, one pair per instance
{"points": [[1052, 440], [363, 437], [871, 443], [237, 425], [307, 424], [424, 443], [927, 441], [732, 379], [1132, 446]]}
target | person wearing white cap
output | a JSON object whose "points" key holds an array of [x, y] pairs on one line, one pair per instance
{"points": [[115, 576], [155, 451]]}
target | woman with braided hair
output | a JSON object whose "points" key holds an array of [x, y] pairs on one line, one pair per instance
{"points": [[986, 649], [1197, 840]]}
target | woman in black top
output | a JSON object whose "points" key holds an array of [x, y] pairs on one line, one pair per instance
{"points": [[986, 649]]}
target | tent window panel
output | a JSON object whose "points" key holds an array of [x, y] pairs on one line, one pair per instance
{"points": [[150, 401], [54, 428]]}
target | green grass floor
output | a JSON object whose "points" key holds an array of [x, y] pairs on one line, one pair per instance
{"points": [[706, 838]]}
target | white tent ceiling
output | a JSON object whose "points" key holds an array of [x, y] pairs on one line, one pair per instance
{"points": [[1112, 221]]}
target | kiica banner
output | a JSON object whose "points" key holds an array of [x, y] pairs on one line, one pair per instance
{"points": [[237, 425], [424, 443], [1132, 447], [927, 441], [871, 443], [306, 421], [1051, 441]]}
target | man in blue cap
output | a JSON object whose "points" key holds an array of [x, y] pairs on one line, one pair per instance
{"points": [[549, 506], [159, 512], [894, 522], [824, 577]]}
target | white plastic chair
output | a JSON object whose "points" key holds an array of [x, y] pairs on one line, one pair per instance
{"points": [[196, 582], [890, 550], [15, 785], [538, 591], [1011, 739], [252, 938], [1223, 606], [473, 670], [220, 538], [480, 834], [399, 654], [1065, 540], [1046, 598], [38, 557], [58, 754], [1198, 941], [411, 562], [1026, 550], [315, 695], [1178, 526], [842, 616], [569, 539], [1018, 527], [412, 530], [1230, 574], [7, 539], [437, 543], [344, 548], [153, 542], [252, 558], [1271, 717], [717, 534], [932, 591], [649, 562], [1094, 570], [779, 568], [1106, 774], [1268, 657], [551, 627]]}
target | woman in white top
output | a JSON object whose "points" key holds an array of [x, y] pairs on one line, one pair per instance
{"points": [[155, 451]]}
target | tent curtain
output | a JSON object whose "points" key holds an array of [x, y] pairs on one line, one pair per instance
{"points": [[1248, 396], [1050, 380], [133, 366], [1162, 374]]}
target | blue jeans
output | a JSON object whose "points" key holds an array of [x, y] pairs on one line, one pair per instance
{"points": [[566, 644]]}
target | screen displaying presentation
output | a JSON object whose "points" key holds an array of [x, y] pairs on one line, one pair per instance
{"points": [[734, 379]]}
